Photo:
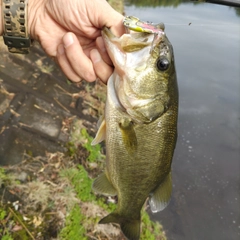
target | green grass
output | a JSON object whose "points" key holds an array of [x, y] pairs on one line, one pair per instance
{"points": [[7, 237], [6, 178], [80, 136], [3, 214], [8, 215], [150, 229], [94, 151], [74, 229], [80, 181], [82, 184]]}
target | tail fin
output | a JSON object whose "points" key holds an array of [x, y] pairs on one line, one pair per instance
{"points": [[129, 227]]}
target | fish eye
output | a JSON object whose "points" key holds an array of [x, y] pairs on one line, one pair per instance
{"points": [[162, 64]]}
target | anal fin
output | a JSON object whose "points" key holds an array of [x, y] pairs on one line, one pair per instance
{"points": [[101, 185], [161, 196]]}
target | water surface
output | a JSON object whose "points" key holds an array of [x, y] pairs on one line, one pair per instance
{"points": [[206, 197]]}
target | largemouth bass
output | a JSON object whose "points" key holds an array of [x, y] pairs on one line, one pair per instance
{"points": [[140, 126]]}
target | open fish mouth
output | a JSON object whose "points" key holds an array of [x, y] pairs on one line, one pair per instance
{"points": [[134, 25], [139, 43]]}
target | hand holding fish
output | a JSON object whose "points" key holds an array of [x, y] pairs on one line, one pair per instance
{"points": [[73, 35], [70, 32]]}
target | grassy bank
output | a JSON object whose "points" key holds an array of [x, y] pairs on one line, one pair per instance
{"points": [[50, 197]]}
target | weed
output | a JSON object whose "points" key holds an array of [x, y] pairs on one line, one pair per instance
{"points": [[7, 237], [9, 218], [74, 229], [85, 218], [151, 230], [80, 181], [3, 214], [7, 179], [71, 149], [80, 137], [94, 151], [36, 192]]}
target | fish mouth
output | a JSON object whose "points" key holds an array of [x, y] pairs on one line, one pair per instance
{"points": [[131, 41]]}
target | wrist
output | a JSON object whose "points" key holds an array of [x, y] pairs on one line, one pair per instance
{"points": [[34, 8], [1, 17]]}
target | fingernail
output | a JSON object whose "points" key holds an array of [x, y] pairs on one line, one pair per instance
{"points": [[95, 56], [68, 40], [60, 49]]}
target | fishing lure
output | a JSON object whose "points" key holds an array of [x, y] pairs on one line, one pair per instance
{"points": [[135, 24]]}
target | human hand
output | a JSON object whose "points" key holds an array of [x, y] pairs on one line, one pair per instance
{"points": [[70, 31]]}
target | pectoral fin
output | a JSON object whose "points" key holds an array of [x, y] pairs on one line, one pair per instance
{"points": [[161, 196], [128, 135], [101, 133], [102, 185]]}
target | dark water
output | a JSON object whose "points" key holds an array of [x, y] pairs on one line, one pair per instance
{"points": [[206, 166]]}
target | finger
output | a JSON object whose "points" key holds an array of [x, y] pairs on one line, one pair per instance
{"points": [[65, 65], [102, 69], [102, 49], [118, 28], [107, 16], [77, 59]]}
